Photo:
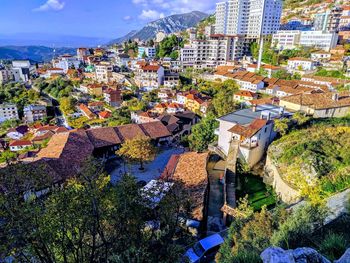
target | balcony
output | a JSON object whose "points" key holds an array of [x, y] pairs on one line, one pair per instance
{"points": [[249, 145]]}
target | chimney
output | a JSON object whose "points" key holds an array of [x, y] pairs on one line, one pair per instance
{"points": [[335, 96]]}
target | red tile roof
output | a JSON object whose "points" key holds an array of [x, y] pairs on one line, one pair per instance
{"points": [[21, 143]]}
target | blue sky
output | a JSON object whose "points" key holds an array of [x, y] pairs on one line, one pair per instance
{"points": [[93, 18]]}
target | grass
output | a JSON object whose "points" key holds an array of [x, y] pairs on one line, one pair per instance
{"points": [[258, 193]]}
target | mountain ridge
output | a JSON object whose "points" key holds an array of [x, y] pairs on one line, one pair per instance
{"points": [[170, 24]]}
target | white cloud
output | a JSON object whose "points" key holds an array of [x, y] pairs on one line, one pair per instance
{"points": [[151, 15], [176, 6], [54, 5]]}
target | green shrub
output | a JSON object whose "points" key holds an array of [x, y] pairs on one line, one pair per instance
{"points": [[333, 246]]}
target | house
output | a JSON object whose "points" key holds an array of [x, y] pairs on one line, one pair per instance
{"points": [[8, 111], [33, 113], [140, 117], [19, 145], [166, 94], [191, 170], [244, 95], [149, 77], [148, 52], [319, 105], [46, 132], [86, 111], [270, 69], [301, 64], [18, 132], [251, 128], [330, 82], [197, 102], [104, 115], [173, 108], [248, 81], [113, 97], [96, 105], [92, 89], [321, 56]]}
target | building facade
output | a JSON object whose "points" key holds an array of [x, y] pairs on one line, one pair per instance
{"points": [[8, 112]]}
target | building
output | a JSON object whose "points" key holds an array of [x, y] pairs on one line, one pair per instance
{"points": [[251, 18], [103, 71], [321, 56], [191, 170], [318, 39], [112, 97], [5, 75], [66, 62], [149, 52], [321, 21], [301, 64], [319, 105], [8, 111], [22, 70], [253, 130], [213, 51], [149, 77], [82, 52], [244, 96], [270, 69], [122, 60], [285, 39], [19, 145], [18, 132], [315, 39], [87, 112], [171, 79], [33, 113]]}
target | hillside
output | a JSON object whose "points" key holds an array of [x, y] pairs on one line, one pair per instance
{"points": [[35, 53], [170, 24], [316, 158]]}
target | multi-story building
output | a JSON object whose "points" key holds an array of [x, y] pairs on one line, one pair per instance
{"points": [[82, 52], [285, 39], [334, 19], [251, 18], [21, 70], [103, 71], [213, 51], [318, 39], [8, 111], [149, 52], [113, 97], [302, 64], [66, 62], [321, 21], [171, 79], [33, 113], [251, 128], [149, 77], [5, 75]]}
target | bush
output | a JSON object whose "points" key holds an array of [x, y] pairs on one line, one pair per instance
{"points": [[333, 246]]}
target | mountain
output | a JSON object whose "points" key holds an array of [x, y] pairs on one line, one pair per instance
{"points": [[34, 53], [170, 24], [50, 40]]}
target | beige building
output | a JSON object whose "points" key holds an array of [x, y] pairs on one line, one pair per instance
{"points": [[104, 72], [319, 105]]}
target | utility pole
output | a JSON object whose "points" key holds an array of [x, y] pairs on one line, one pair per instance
{"points": [[261, 37]]}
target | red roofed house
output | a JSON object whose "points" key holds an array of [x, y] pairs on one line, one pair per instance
{"points": [[86, 111], [104, 115], [149, 77], [19, 145], [244, 95], [270, 69]]}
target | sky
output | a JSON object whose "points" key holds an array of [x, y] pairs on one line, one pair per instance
{"points": [[89, 18]]}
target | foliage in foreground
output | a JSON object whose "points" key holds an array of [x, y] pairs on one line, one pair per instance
{"points": [[251, 233], [88, 220], [315, 160]]}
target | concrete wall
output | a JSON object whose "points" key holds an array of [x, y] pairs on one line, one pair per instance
{"points": [[272, 177]]}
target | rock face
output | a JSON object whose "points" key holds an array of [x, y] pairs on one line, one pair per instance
{"points": [[169, 24], [299, 255], [344, 258]]}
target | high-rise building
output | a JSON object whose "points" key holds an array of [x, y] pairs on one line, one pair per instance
{"points": [[251, 18]]}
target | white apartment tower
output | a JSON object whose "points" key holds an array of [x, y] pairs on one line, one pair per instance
{"points": [[251, 18]]}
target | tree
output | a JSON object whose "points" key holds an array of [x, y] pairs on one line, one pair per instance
{"points": [[7, 157], [87, 219], [203, 134], [281, 126], [139, 149], [300, 118], [67, 105], [223, 101]]}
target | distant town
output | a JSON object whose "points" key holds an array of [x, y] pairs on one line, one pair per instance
{"points": [[226, 142]]}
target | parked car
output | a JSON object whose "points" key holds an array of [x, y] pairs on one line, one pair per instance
{"points": [[204, 249]]}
